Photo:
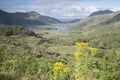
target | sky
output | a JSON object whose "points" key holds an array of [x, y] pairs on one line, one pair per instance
{"points": [[61, 9]]}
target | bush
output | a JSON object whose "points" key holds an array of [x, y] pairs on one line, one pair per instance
{"points": [[15, 30]]}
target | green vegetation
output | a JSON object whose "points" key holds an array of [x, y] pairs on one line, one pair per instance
{"points": [[49, 54], [15, 30], [23, 57]]}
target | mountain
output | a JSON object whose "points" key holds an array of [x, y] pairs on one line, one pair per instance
{"points": [[28, 18], [2, 12], [102, 31], [96, 21], [115, 19], [101, 12]]}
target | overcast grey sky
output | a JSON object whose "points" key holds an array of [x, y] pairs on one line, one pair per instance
{"points": [[61, 9]]}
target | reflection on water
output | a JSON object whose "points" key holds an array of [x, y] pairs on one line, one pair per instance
{"points": [[56, 27], [61, 28]]}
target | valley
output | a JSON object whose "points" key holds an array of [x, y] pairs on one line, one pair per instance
{"points": [[86, 50]]}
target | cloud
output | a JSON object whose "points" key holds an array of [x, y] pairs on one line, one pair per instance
{"points": [[56, 8], [64, 8], [115, 9], [73, 11]]}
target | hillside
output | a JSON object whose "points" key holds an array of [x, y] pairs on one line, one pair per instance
{"points": [[101, 12], [95, 21], [86, 50], [26, 19], [15, 30], [115, 19], [99, 30]]}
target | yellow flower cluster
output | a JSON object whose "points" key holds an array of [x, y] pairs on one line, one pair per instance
{"points": [[81, 44], [57, 66], [93, 49], [66, 70], [77, 54]]}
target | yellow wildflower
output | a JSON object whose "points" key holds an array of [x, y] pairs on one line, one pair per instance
{"points": [[58, 64], [66, 70], [77, 54], [81, 44], [93, 49], [55, 68]]}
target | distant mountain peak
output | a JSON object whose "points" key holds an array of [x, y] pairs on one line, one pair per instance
{"points": [[101, 12], [2, 12], [26, 18]]}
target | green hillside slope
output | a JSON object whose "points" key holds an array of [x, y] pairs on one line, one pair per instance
{"points": [[97, 30]]}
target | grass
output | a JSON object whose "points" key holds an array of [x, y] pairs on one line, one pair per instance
{"points": [[33, 58], [32, 41], [62, 49]]}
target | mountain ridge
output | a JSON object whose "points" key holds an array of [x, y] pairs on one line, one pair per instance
{"points": [[25, 19], [97, 20], [101, 12]]}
